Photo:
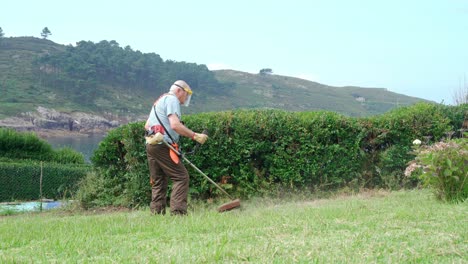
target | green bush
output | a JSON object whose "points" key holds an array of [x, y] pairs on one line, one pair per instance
{"points": [[21, 180], [445, 169], [392, 162], [93, 191], [23, 145], [457, 116], [68, 155], [402, 125], [20, 156], [28, 146], [255, 151], [388, 137], [252, 149]]}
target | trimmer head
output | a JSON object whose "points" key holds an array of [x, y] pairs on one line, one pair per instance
{"points": [[229, 206]]}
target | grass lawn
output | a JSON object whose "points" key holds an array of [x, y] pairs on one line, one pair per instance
{"points": [[372, 227]]}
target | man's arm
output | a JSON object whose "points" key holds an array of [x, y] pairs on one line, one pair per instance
{"points": [[182, 130]]}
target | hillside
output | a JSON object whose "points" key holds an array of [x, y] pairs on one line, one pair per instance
{"points": [[105, 79], [18, 85], [289, 93], [97, 78]]}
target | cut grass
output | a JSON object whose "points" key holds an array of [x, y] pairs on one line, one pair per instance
{"points": [[397, 227]]}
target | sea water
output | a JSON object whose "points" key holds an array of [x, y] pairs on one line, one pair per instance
{"points": [[85, 144]]}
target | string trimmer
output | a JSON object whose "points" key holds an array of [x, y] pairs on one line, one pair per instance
{"points": [[234, 203]]}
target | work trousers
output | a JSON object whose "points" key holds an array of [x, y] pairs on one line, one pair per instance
{"points": [[162, 168]]}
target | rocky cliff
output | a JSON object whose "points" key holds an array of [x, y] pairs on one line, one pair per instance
{"points": [[50, 119]]}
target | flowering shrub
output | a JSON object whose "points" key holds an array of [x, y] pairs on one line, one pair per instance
{"points": [[444, 167]]}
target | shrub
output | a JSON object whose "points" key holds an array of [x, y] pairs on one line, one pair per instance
{"points": [[21, 180], [25, 145], [92, 191], [28, 146], [388, 138], [20, 156], [445, 168], [252, 152], [68, 155], [458, 116], [392, 162], [120, 160]]}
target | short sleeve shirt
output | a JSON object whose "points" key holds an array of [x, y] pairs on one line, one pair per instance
{"points": [[167, 105]]}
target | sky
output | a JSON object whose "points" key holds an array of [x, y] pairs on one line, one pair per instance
{"points": [[416, 48]]}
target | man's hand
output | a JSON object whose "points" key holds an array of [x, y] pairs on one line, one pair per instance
{"points": [[200, 138]]}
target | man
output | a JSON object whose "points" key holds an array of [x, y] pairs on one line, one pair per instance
{"points": [[162, 163]]}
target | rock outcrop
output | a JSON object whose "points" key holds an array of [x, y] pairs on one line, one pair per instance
{"points": [[50, 119]]}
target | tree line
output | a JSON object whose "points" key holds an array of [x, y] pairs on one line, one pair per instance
{"points": [[83, 68], [44, 33]]}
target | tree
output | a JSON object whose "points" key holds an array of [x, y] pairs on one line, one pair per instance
{"points": [[265, 71], [45, 33]]}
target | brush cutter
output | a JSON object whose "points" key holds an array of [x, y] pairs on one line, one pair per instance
{"points": [[234, 203]]}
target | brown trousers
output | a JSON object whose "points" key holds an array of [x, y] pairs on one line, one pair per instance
{"points": [[162, 168]]}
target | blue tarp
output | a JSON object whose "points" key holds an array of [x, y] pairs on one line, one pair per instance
{"points": [[30, 206]]}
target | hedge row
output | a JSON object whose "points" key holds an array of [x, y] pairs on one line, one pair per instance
{"points": [[21, 180], [16, 145], [254, 151]]}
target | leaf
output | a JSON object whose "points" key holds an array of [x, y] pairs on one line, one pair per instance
{"points": [[447, 172], [449, 163]]}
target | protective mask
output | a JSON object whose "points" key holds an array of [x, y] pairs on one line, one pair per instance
{"points": [[187, 100]]}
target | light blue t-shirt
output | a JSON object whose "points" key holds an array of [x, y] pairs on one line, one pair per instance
{"points": [[168, 104]]}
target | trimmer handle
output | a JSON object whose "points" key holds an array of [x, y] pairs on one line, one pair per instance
{"points": [[197, 145]]}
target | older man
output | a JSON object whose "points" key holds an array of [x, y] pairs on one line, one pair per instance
{"points": [[164, 118]]}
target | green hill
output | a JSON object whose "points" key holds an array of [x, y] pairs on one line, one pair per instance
{"points": [[289, 93], [106, 79], [18, 85]]}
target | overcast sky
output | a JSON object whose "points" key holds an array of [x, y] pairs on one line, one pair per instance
{"points": [[417, 48]]}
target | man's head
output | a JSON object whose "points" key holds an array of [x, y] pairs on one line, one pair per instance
{"points": [[183, 92]]}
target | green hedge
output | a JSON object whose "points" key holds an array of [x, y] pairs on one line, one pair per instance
{"points": [[20, 157], [259, 150], [16, 145], [26, 145], [21, 180], [388, 140]]}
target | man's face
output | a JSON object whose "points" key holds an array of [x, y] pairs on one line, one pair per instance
{"points": [[184, 95]]}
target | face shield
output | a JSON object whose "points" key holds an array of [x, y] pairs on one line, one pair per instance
{"points": [[187, 99], [184, 86]]}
